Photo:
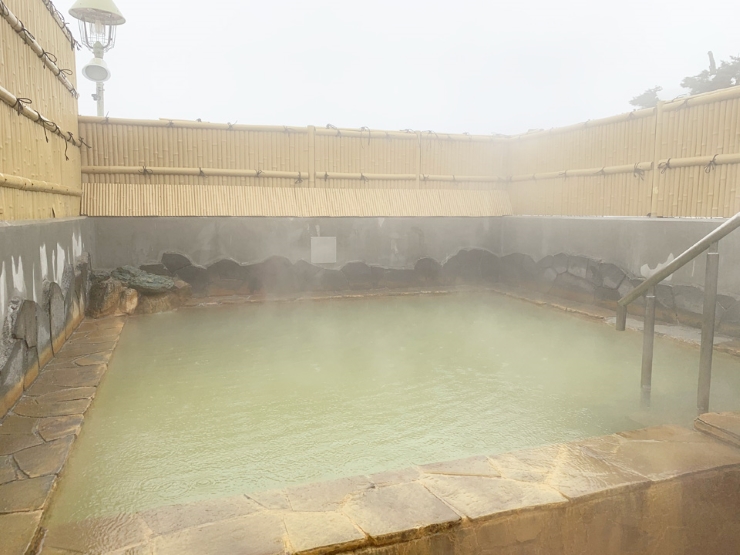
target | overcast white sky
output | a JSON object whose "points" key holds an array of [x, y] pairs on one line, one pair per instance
{"points": [[453, 66]]}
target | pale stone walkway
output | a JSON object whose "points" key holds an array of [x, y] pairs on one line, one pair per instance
{"points": [[613, 494], [38, 432]]}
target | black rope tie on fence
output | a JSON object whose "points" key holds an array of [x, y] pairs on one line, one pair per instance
{"points": [[424, 177], [601, 171], [299, 180], [66, 145], [61, 22], [4, 9], [49, 56], [82, 142], [326, 176], [563, 174], [145, 171], [231, 126], [201, 173], [665, 166], [637, 172], [711, 165], [363, 178], [330, 126], [259, 172], [20, 103], [106, 120], [286, 128], [170, 123], [407, 130]]}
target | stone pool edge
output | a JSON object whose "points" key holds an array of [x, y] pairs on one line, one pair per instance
{"points": [[37, 433], [665, 489], [52, 409]]}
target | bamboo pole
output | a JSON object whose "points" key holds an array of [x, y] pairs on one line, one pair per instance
{"points": [[31, 41], [658, 137], [35, 185]]}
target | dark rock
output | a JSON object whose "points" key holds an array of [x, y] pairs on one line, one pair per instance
{"points": [[273, 275], [689, 304], [490, 267], [571, 287], [227, 269], [612, 276], [143, 282], [329, 280], [43, 323], [105, 294], [23, 325], [428, 270], [196, 276], [174, 261], [71, 300], [545, 280], [12, 371], [58, 316], [585, 268], [82, 280], [519, 270], [730, 321], [305, 273], [393, 278], [156, 269], [606, 296], [463, 267], [726, 301], [560, 263], [546, 262], [359, 275]]}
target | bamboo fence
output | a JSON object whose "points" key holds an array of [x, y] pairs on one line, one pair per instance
{"points": [[679, 159], [39, 159]]}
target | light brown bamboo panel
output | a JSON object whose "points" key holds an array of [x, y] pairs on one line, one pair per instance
{"points": [[678, 141], [156, 144], [122, 199], [626, 139], [622, 194], [24, 149]]}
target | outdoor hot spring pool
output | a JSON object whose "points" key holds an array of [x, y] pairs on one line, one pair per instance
{"points": [[211, 402]]}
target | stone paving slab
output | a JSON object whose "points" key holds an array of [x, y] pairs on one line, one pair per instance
{"points": [[37, 434], [631, 492], [18, 530], [724, 426]]}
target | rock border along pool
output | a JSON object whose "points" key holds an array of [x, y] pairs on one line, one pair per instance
{"points": [[664, 490]]}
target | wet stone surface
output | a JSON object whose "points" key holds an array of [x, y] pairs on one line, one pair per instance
{"points": [[613, 494], [37, 434], [724, 426]]}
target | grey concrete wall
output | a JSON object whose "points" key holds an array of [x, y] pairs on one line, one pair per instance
{"points": [[34, 251], [390, 242], [638, 245]]}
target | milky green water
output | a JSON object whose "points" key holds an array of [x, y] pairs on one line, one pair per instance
{"points": [[216, 401]]}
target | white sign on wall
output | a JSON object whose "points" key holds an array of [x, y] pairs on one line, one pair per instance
{"points": [[323, 250]]}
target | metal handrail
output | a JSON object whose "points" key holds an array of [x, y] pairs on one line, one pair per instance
{"points": [[684, 258], [710, 243]]}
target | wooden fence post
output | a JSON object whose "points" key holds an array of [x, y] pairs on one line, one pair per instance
{"points": [[312, 156], [658, 139]]}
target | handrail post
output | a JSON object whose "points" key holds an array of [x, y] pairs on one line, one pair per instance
{"points": [[707, 328], [621, 317], [648, 338]]}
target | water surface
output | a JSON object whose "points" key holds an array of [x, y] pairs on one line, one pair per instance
{"points": [[216, 401]]}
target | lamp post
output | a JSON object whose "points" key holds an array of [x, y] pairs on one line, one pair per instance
{"points": [[98, 21]]}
